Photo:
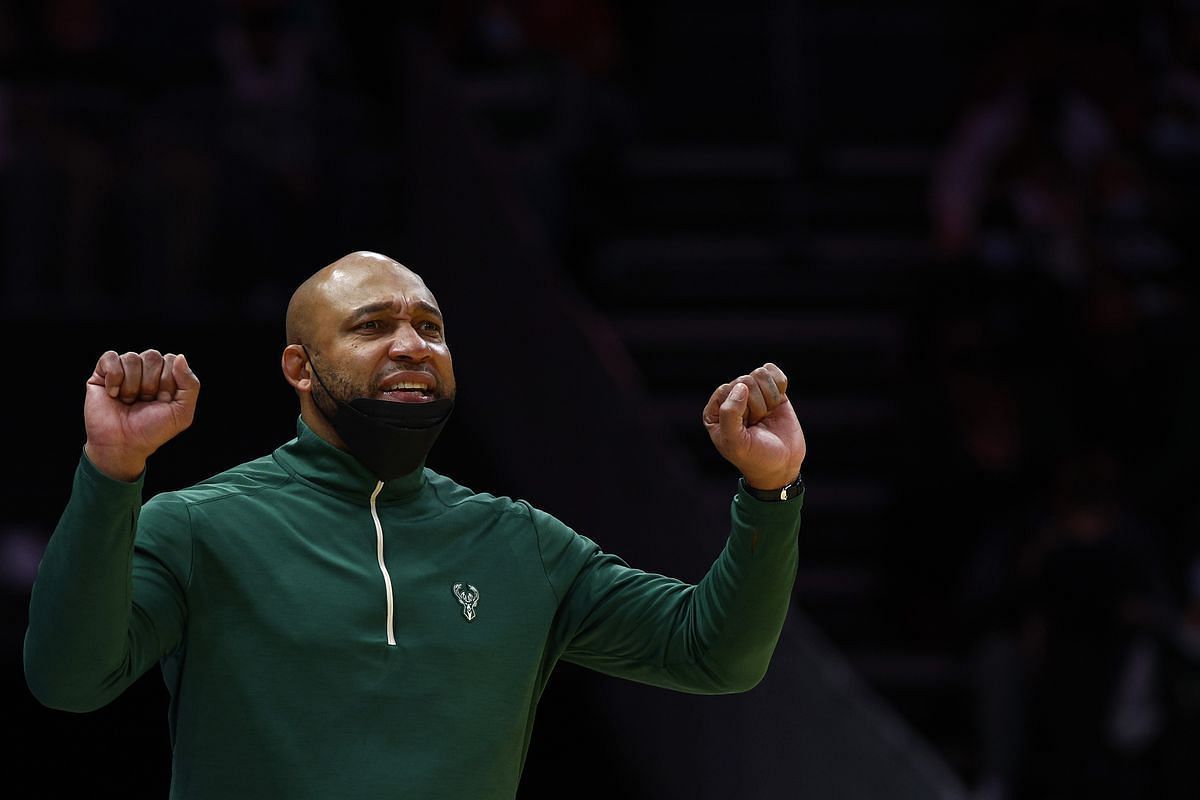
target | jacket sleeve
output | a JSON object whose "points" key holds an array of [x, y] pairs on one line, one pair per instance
{"points": [[713, 637], [106, 606]]}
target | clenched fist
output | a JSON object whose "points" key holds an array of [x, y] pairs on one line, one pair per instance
{"points": [[135, 403], [752, 424]]}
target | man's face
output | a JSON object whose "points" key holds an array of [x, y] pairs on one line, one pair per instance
{"points": [[379, 334]]}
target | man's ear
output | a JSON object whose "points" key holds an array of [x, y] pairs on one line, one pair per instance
{"points": [[294, 363]]}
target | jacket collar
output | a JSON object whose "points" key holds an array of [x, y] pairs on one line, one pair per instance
{"points": [[315, 461]]}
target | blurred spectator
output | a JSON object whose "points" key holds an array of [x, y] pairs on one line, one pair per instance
{"points": [[544, 78], [267, 135], [148, 150], [993, 499], [503, 32], [1181, 691], [1097, 589], [70, 114], [1174, 34], [1062, 608], [1046, 154], [1041, 158]]}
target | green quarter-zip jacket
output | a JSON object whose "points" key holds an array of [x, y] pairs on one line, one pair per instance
{"points": [[324, 635]]}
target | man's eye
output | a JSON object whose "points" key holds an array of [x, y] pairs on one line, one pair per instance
{"points": [[370, 325], [431, 328]]}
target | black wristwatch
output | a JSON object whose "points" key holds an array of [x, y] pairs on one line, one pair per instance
{"points": [[775, 495]]}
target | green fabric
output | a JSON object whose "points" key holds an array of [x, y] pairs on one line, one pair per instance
{"points": [[260, 593]]}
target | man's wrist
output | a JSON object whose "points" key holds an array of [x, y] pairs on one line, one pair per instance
{"points": [[786, 492], [124, 469]]}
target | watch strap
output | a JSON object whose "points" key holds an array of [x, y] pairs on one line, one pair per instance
{"points": [[793, 489]]}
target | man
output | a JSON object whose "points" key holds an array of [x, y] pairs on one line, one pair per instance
{"points": [[335, 620]]}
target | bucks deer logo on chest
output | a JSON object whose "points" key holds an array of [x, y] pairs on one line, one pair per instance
{"points": [[468, 595]]}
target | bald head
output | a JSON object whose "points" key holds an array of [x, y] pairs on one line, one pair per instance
{"points": [[321, 292], [366, 326]]}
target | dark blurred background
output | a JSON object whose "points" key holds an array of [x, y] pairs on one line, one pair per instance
{"points": [[966, 231]]}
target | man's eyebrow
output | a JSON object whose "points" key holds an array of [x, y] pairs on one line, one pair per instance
{"points": [[384, 305], [429, 308]]}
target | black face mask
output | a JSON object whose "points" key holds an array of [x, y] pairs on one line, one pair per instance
{"points": [[390, 439]]}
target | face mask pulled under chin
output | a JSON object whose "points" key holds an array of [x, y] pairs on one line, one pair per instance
{"points": [[389, 438]]}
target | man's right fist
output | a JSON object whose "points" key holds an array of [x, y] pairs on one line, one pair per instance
{"points": [[135, 403]]}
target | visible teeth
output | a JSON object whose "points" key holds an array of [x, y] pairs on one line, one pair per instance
{"points": [[399, 386]]}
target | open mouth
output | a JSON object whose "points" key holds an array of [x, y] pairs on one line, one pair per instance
{"points": [[408, 392]]}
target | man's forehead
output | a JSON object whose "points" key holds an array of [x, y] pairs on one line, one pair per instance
{"points": [[388, 283]]}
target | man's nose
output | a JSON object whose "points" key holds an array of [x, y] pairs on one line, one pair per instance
{"points": [[407, 343]]}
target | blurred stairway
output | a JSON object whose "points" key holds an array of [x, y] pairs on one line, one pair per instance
{"points": [[704, 284], [828, 305], [730, 231]]}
